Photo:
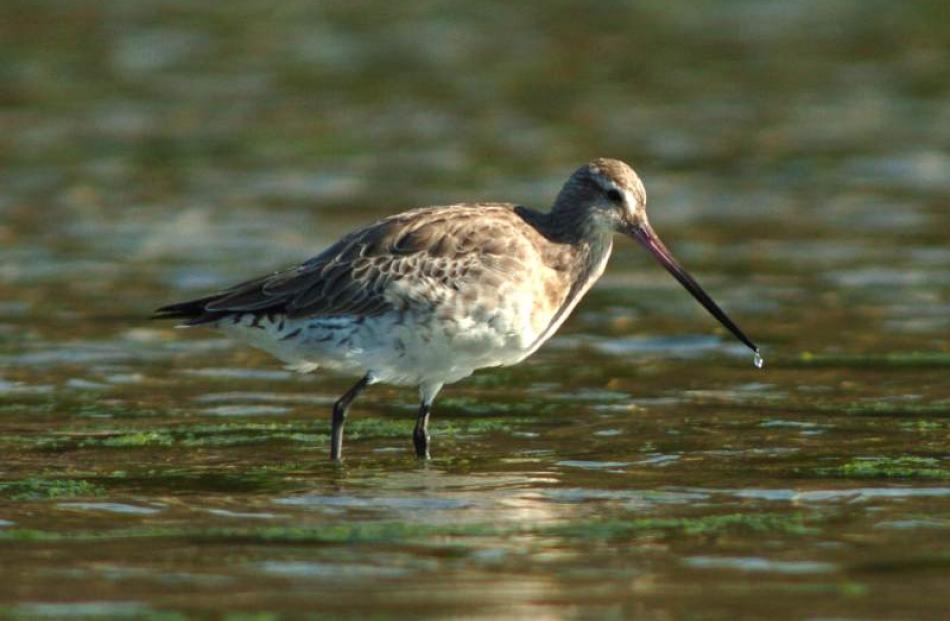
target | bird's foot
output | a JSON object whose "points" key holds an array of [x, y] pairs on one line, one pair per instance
{"points": [[420, 439]]}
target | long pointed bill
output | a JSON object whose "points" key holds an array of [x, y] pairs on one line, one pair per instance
{"points": [[644, 234]]}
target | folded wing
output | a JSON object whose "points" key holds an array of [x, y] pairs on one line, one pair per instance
{"points": [[396, 262]]}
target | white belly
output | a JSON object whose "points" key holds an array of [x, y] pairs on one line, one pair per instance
{"points": [[401, 348], [436, 340]]}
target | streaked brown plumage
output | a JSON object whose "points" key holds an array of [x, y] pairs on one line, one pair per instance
{"points": [[446, 245], [427, 296]]}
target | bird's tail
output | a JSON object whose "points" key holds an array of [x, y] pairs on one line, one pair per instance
{"points": [[192, 312]]}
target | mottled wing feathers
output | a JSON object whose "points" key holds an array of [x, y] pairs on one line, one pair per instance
{"points": [[396, 262]]}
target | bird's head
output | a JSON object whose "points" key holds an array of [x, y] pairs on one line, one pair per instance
{"points": [[606, 196], [603, 196]]}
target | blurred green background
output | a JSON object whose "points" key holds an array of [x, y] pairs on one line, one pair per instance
{"points": [[796, 158]]}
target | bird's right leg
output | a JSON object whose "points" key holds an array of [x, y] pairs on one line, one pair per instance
{"points": [[339, 415], [420, 435]]}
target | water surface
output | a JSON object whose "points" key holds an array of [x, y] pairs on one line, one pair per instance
{"points": [[638, 466]]}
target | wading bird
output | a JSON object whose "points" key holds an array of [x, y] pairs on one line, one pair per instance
{"points": [[426, 297]]}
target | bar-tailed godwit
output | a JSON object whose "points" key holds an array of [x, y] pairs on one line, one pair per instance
{"points": [[426, 297]]}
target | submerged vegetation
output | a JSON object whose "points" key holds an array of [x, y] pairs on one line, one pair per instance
{"points": [[892, 360], [638, 466], [904, 467], [404, 532], [34, 488], [257, 433]]}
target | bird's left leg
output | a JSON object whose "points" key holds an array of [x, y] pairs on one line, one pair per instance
{"points": [[339, 415], [420, 435]]}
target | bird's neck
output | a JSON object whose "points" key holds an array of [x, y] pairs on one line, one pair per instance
{"points": [[573, 245], [565, 226]]}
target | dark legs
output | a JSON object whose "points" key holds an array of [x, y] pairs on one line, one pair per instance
{"points": [[420, 435], [339, 416]]}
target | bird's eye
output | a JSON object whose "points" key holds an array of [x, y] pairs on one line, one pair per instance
{"points": [[615, 196]]}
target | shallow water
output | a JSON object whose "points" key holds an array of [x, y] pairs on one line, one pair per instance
{"points": [[638, 466]]}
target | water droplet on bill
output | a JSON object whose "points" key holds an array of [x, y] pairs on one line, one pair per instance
{"points": [[758, 360]]}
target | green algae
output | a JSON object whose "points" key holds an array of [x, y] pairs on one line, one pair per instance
{"points": [[365, 428], [49, 489], [239, 439], [869, 408], [226, 434], [883, 408], [93, 484], [393, 428], [893, 360], [846, 588], [255, 433], [131, 440], [206, 480], [789, 524], [250, 616], [400, 531], [904, 467], [364, 532], [20, 441], [925, 426], [480, 407], [105, 610]]}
